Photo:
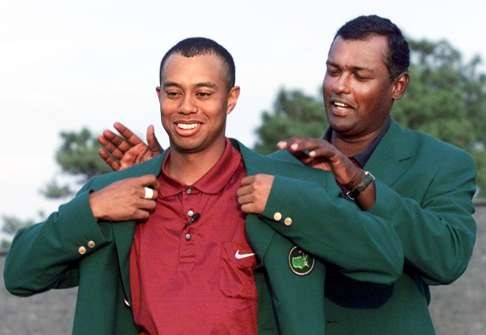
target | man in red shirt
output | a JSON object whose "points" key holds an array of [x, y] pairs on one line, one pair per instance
{"points": [[184, 275]]}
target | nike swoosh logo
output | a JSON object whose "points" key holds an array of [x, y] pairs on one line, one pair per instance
{"points": [[241, 256]]}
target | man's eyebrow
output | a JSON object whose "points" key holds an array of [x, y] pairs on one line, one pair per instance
{"points": [[206, 84], [353, 68], [170, 83], [202, 84]]}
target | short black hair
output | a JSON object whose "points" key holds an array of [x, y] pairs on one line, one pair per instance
{"points": [[196, 46], [360, 28]]}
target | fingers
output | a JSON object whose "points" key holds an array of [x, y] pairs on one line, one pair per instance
{"points": [[147, 204], [112, 163], [248, 180], [152, 142], [253, 193], [305, 148], [127, 134], [137, 154], [113, 144]]}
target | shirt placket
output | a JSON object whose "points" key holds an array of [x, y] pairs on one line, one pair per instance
{"points": [[188, 237]]}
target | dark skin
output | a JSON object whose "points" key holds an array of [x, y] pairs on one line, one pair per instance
{"points": [[358, 94]]}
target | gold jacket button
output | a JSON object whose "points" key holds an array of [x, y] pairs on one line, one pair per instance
{"points": [[82, 250], [91, 244], [288, 221], [277, 216]]}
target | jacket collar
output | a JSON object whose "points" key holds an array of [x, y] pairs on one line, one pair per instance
{"points": [[392, 155]]}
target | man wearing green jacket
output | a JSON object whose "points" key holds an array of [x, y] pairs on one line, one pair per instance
{"points": [[161, 247], [416, 185]]}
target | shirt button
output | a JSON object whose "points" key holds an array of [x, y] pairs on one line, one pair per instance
{"points": [[288, 221], [82, 250], [277, 216], [188, 236], [190, 213], [189, 190], [91, 244]]}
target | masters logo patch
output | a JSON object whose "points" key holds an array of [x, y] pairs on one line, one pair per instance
{"points": [[300, 262]]}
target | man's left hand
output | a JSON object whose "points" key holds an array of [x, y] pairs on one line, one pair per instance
{"points": [[253, 193]]}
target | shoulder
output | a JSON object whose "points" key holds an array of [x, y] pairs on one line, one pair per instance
{"points": [[151, 166], [280, 163], [437, 151]]}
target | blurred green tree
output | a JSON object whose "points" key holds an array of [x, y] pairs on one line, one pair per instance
{"points": [[77, 157], [294, 114]]}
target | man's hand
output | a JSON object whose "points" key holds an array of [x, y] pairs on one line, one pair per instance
{"points": [[127, 149], [321, 154], [125, 199], [253, 193]]}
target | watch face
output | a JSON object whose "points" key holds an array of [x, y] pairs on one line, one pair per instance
{"points": [[368, 178]]}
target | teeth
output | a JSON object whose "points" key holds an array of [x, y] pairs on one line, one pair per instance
{"points": [[187, 126], [340, 104]]}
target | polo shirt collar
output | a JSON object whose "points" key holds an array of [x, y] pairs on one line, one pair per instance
{"points": [[213, 181]]}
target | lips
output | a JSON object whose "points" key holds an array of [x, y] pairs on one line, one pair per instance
{"points": [[340, 107]]}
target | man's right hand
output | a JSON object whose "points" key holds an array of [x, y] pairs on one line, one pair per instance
{"points": [[125, 199], [127, 149]]}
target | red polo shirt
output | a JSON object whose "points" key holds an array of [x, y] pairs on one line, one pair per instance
{"points": [[191, 267]]}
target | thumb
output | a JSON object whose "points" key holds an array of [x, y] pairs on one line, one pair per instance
{"points": [[152, 142]]}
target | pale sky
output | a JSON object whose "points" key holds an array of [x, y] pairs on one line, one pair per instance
{"points": [[68, 64]]}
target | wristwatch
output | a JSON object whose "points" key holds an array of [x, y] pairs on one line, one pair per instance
{"points": [[368, 178]]}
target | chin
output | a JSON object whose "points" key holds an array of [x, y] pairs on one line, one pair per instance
{"points": [[340, 125]]}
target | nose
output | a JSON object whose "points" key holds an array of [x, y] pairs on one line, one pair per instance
{"points": [[187, 106], [341, 84]]}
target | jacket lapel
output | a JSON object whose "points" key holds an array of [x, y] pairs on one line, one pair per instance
{"points": [[392, 156], [258, 233], [123, 231]]}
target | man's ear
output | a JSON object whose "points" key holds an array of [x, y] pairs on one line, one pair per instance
{"points": [[400, 85], [233, 95], [157, 90]]}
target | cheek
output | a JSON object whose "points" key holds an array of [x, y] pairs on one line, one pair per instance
{"points": [[167, 108], [326, 86]]}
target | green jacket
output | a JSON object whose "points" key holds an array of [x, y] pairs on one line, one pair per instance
{"points": [[424, 189], [47, 256], [420, 231]]}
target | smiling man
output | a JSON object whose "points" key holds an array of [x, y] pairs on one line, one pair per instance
{"points": [[384, 183]]}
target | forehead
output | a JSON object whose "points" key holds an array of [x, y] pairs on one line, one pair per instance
{"points": [[206, 68], [367, 53]]}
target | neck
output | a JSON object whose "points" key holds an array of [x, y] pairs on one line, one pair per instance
{"points": [[187, 168], [353, 145]]}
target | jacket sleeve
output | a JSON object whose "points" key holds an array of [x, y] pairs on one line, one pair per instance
{"points": [[434, 234], [46, 255], [363, 245]]}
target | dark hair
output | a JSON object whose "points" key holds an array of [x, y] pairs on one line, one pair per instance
{"points": [[360, 28], [196, 46]]}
